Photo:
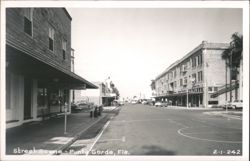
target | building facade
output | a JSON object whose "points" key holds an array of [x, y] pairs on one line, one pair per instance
{"points": [[103, 96], [192, 80], [39, 62]]}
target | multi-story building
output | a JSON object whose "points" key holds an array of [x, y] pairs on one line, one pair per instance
{"points": [[39, 62], [195, 77]]}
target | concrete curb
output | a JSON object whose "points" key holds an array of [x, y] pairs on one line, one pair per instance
{"points": [[190, 108], [223, 114], [63, 147]]}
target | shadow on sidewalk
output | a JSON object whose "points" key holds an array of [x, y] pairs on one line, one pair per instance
{"points": [[46, 135]]}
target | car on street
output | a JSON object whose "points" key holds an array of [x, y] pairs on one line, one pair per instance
{"points": [[236, 104], [134, 101], [81, 106], [161, 104], [144, 102]]}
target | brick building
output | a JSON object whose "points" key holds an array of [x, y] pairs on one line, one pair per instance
{"points": [[195, 77], [39, 64]]}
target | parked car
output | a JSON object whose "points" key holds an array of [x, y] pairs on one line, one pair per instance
{"points": [[161, 104], [237, 104], [227, 105], [81, 106], [134, 102], [144, 102]]}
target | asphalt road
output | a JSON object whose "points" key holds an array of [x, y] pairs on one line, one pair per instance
{"points": [[147, 130]]}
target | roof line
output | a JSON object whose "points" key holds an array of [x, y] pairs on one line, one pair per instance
{"points": [[67, 13], [203, 45]]}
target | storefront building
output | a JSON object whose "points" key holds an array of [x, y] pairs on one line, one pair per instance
{"points": [[39, 57], [192, 80]]}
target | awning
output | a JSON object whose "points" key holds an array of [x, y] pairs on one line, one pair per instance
{"points": [[49, 71], [110, 95]]}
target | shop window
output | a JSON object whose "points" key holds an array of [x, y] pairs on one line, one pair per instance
{"points": [[55, 98], [28, 20], [42, 97]]}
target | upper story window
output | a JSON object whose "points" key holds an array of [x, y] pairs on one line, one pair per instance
{"points": [[28, 20], [181, 82], [200, 76], [51, 38], [194, 62], [175, 73], [194, 78], [200, 60], [64, 45]]}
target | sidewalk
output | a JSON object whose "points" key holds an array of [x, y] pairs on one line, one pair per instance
{"points": [[109, 108], [47, 137], [228, 114], [191, 108]]}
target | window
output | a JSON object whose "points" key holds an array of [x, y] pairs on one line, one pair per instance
{"points": [[200, 60], [42, 97], [194, 78], [174, 73], [51, 38], [200, 76], [28, 18], [194, 62], [215, 89], [181, 82], [210, 89], [185, 80], [64, 43]]}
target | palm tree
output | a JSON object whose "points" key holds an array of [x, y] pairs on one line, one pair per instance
{"points": [[232, 56], [225, 55]]}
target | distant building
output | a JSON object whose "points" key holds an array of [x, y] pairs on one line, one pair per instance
{"points": [[39, 64], [195, 78], [101, 96]]}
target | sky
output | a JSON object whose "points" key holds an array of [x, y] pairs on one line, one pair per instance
{"points": [[134, 45]]}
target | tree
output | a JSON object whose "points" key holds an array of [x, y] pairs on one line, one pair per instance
{"points": [[232, 56], [114, 90], [152, 84]]}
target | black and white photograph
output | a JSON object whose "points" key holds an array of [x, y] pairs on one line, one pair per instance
{"points": [[125, 81]]}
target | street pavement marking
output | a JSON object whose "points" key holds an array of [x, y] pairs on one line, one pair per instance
{"points": [[98, 137], [212, 132], [209, 140]]}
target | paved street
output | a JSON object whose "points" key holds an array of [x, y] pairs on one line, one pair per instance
{"points": [[147, 130]]}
